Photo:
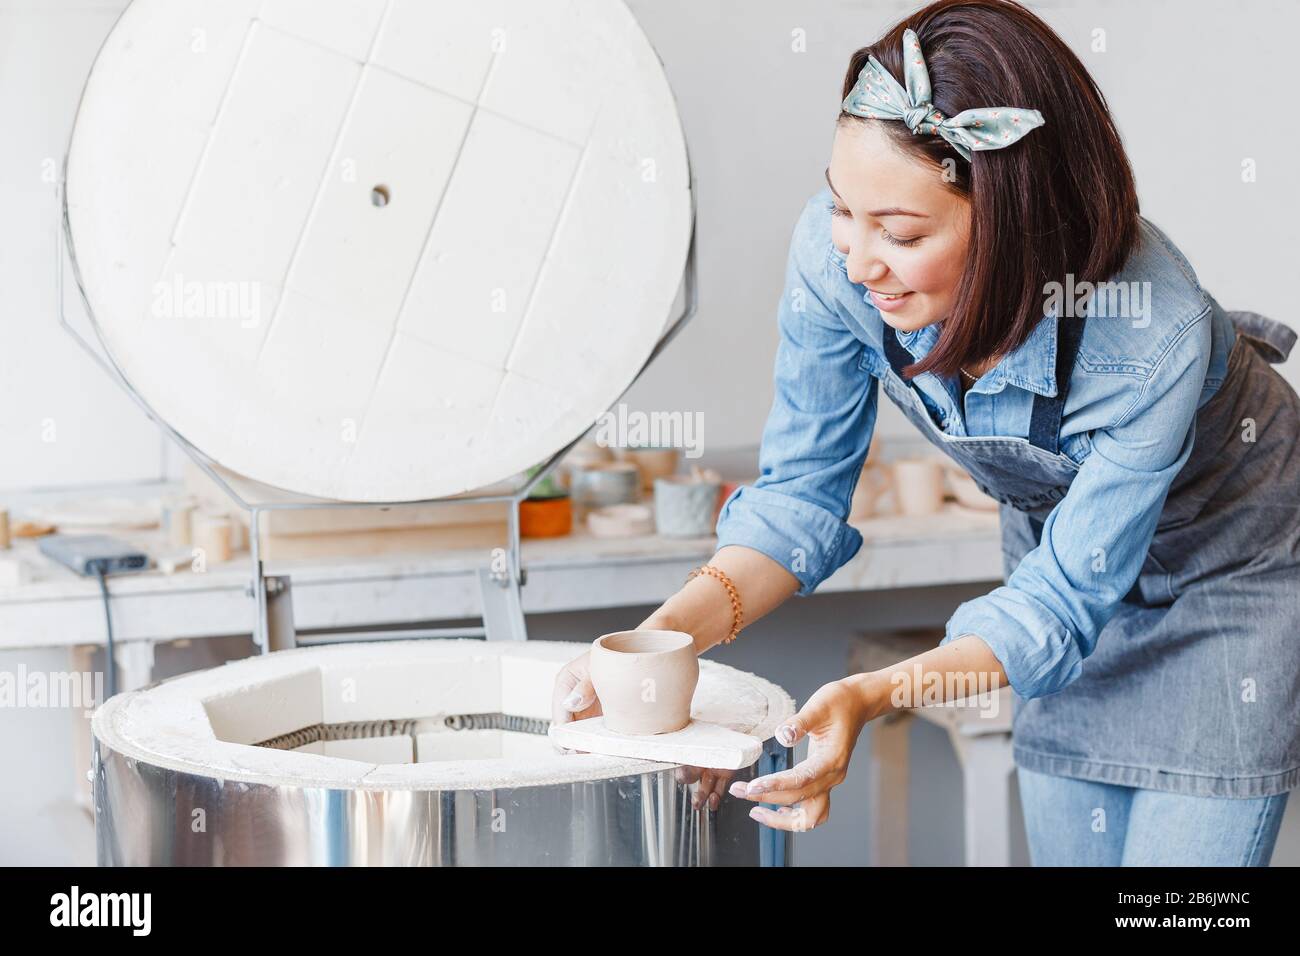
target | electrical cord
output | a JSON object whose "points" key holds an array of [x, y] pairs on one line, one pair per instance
{"points": [[100, 569]]}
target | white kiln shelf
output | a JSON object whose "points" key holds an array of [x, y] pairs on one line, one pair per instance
{"points": [[698, 744], [220, 210]]}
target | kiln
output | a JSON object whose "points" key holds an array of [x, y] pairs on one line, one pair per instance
{"points": [[386, 251], [405, 753]]}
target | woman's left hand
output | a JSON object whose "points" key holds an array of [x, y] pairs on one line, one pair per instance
{"points": [[832, 720]]}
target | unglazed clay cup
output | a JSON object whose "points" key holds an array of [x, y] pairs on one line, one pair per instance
{"points": [[645, 680], [918, 486]]}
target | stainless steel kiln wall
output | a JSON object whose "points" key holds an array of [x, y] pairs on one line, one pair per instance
{"points": [[146, 815]]}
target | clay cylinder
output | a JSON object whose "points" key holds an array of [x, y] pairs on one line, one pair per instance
{"points": [[918, 486], [645, 680], [177, 514], [211, 532], [4, 529]]}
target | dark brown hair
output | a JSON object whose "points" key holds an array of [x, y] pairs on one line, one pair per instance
{"points": [[1060, 201]]}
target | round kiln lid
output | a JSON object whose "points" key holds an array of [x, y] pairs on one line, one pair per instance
{"points": [[206, 723], [378, 250]]}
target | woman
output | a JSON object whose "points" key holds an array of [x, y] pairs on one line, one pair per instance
{"points": [[978, 253]]}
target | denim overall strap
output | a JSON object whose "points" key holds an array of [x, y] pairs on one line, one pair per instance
{"points": [[1045, 418], [898, 356]]}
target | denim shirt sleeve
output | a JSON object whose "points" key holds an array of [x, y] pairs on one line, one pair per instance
{"points": [[1046, 619], [818, 430]]}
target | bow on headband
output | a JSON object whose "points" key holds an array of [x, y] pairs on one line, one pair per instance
{"points": [[877, 94]]}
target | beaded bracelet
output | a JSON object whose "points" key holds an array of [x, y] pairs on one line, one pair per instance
{"points": [[736, 615]]}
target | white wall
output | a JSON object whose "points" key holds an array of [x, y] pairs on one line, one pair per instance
{"points": [[62, 422]]}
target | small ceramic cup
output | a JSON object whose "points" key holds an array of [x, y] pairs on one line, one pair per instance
{"points": [[918, 486], [645, 680]]}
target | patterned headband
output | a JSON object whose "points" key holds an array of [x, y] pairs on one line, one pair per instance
{"points": [[877, 94]]}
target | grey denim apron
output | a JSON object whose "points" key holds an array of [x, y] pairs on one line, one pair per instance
{"points": [[1194, 685]]}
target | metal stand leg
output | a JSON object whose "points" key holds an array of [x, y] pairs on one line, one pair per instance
{"points": [[774, 846], [280, 634], [503, 613], [503, 609]]}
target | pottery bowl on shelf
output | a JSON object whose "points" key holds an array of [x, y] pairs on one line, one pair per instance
{"points": [[645, 680], [621, 521], [611, 483]]}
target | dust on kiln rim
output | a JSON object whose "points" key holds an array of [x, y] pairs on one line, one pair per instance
{"points": [[169, 724], [585, 319]]}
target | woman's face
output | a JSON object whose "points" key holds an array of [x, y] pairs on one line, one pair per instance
{"points": [[884, 198]]}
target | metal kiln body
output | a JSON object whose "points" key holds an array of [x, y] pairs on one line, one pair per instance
{"points": [[211, 768], [145, 816]]}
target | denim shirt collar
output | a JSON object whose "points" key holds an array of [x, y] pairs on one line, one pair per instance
{"points": [[1032, 366]]}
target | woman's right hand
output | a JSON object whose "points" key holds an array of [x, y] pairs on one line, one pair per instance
{"points": [[573, 697]]}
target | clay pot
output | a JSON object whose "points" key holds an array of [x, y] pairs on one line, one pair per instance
{"points": [[918, 486], [177, 514], [585, 454], [686, 508], [545, 517], [211, 533], [645, 680], [611, 483], [652, 463]]}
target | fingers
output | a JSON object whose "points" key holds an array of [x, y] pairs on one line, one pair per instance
{"points": [[712, 783], [687, 775], [791, 732], [802, 781], [820, 710], [573, 697], [812, 812]]}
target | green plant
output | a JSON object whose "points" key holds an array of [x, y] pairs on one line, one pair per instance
{"points": [[548, 487]]}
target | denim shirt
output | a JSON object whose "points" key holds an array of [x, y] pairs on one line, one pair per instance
{"points": [[1127, 422]]}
